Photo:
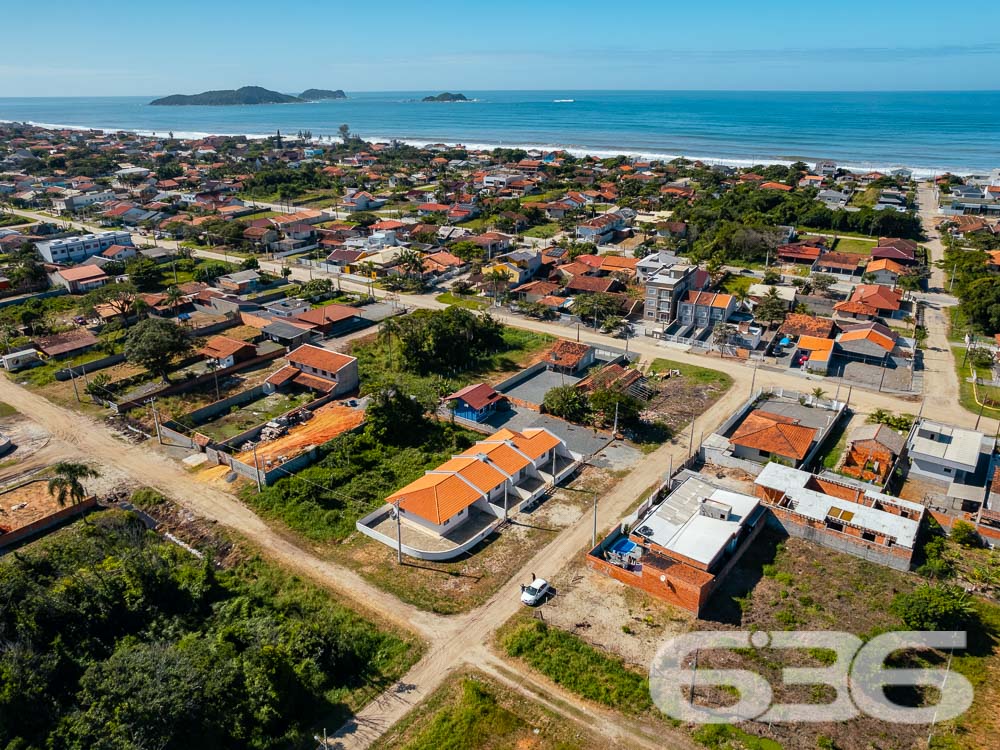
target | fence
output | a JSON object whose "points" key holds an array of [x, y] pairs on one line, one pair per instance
{"points": [[88, 367], [47, 522], [366, 524], [21, 299]]}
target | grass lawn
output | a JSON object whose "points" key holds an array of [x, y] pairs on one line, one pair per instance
{"points": [[548, 195], [833, 447], [958, 324], [692, 373], [471, 711], [6, 410], [352, 477], [470, 303], [12, 220], [735, 283], [854, 246], [479, 224], [543, 231], [966, 396]]}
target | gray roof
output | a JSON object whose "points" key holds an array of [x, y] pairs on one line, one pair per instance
{"points": [[241, 276], [880, 433], [284, 330]]}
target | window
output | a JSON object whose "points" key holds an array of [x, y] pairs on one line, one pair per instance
{"points": [[868, 536]]}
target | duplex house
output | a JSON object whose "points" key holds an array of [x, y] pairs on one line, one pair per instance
{"points": [[600, 229], [332, 319], [868, 301], [494, 474]]}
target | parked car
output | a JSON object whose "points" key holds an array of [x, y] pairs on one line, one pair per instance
{"points": [[536, 592]]}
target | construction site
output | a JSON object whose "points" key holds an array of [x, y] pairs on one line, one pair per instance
{"points": [[289, 442]]}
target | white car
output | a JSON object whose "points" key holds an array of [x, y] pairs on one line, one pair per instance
{"points": [[536, 592]]}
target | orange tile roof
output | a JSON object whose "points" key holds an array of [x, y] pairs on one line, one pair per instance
{"points": [[819, 349], [774, 433], [484, 476], [321, 359], [82, 273], [436, 497], [533, 442], [506, 458], [885, 264], [869, 334], [220, 347]]}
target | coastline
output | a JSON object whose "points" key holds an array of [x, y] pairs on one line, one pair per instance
{"points": [[919, 171]]}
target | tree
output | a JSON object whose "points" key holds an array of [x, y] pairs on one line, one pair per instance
{"points": [[497, 280], [120, 297], [173, 297], [605, 403], [394, 417], [154, 343], [934, 608], [250, 263], [818, 393], [595, 307], [286, 271], [412, 262], [722, 335], [345, 133], [67, 485], [466, 250], [207, 273], [771, 307], [822, 282], [143, 272], [568, 402]]}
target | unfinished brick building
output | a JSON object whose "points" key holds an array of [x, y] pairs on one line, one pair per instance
{"points": [[846, 516]]}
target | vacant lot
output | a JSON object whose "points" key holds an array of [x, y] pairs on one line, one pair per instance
{"points": [[472, 711], [254, 413], [683, 398]]}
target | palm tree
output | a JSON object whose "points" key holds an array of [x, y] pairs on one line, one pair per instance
{"points": [[496, 278], [368, 267], [66, 486], [173, 297], [818, 393], [412, 263]]}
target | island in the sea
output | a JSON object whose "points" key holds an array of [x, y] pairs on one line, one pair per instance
{"points": [[228, 97], [319, 95], [446, 97]]}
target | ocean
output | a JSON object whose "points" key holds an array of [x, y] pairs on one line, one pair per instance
{"points": [[929, 132]]}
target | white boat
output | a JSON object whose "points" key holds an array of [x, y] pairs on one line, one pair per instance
{"points": [[563, 101]]}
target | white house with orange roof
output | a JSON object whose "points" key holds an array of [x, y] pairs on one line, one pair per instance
{"points": [[704, 309], [495, 476]]}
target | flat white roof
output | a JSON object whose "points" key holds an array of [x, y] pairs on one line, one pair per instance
{"points": [[678, 524], [818, 505], [947, 443]]}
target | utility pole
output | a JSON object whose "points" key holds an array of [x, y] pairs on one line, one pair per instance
{"points": [[156, 420], [593, 537], [691, 440], [615, 430], [256, 470], [505, 501], [73, 379]]}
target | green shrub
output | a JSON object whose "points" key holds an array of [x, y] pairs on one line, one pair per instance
{"points": [[964, 534], [580, 668], [934, 608]]}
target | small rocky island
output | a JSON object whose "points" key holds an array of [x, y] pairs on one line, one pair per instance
{"points": [[228, 98], [319, 95], [446, 97]]}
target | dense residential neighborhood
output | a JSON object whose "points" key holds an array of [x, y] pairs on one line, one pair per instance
{"points": [[685, 395]]}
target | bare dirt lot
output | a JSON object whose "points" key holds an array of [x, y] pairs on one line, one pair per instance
{"points": [[26, 504], [327, 422], [609, 614]]}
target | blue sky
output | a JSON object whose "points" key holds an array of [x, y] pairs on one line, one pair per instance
{"points": [[99, 47]]}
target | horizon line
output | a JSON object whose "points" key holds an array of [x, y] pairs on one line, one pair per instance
{"points": [[554, 90]]}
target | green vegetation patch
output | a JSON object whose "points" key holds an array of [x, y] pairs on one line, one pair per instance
{"points": [[6, 410], [568, 661], [115, 638], [692, 373]]}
